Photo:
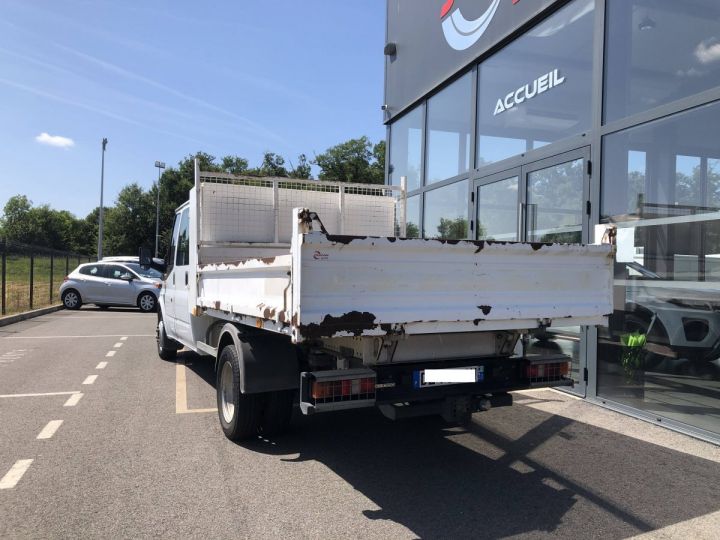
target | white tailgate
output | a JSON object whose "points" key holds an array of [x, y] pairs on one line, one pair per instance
{"points": [[356, 285]]}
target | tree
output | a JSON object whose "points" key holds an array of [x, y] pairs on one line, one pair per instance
{"points": [[234, 165], [273, 165], [453, 229], [356, 160], [303, 169], [131, 223]]}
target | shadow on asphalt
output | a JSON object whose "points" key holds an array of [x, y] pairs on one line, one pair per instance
{"points": [[482, 482]]}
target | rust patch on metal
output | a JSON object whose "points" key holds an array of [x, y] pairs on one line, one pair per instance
{"points": [[485, 309], [282, 316], [269, 313], [352, 322], [268, 260]]}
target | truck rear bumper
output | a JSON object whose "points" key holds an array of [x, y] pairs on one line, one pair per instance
{"points": [[397, 386]]}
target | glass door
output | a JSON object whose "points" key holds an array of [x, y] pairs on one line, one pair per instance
{"points": [[541, 201]]}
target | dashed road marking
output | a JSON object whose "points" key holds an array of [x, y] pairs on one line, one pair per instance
{"points": [[39, 395], [16, 472], [49, 430], [118, 344], [90, 379], [73, 400], [110, 354], [124, 338], [101, 365]]}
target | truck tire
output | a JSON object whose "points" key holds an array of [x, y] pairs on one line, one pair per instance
{"points": [[164, 345], [277, 412], [239, 413]]}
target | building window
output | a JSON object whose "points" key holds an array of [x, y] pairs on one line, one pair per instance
{"points": [[661, 185], [658, 52], [449, 127], [412, 220], [446, 211], [538, 89], [406, 142]]}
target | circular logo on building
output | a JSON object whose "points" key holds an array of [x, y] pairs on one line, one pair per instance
{"points": [[461, 33]]}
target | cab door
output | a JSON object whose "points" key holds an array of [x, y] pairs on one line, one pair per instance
{"points": [[168, 289]]}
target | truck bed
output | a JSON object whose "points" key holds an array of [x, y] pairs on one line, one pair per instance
{"points": [[333, 286]]}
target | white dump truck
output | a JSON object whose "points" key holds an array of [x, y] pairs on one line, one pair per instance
{"points": [[308, 293]]}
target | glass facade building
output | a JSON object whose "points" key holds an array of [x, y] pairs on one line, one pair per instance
{"points": [[590, 112]]}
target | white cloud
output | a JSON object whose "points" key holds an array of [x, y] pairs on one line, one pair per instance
{"points": [[708, 51], [55, 140]]}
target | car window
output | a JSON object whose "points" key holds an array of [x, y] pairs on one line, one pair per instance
{"points": [[92, 270], [144, 272], [113, 271]]}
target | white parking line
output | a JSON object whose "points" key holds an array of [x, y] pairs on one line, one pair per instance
{"points": [[124, 338], [13, 476], [90, 379], [73, 400], [118, 345], [38, 395], [76, 337], [49, 430], [101, 365], [110, 354]]}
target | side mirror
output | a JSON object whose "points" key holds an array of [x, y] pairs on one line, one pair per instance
{"points": [[145, 257], [127, 277]]}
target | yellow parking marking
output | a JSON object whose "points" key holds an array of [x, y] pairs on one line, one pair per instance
{"points": [[181, 406]]}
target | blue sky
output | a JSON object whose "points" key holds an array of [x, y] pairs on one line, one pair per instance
{"points": [[164, 78]]}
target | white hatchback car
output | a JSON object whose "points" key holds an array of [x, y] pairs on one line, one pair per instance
{"points": [[111, 284]]}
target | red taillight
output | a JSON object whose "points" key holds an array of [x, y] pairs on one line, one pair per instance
{"points": [[547, 371], [343, 389]]}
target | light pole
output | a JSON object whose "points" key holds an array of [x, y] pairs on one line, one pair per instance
{"points": [[102, 182], [160, 166]]}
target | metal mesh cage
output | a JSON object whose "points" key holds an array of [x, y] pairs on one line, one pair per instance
{"points": [[241, 209]]}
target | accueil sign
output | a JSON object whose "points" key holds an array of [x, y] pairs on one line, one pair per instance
{"points": [[528, 91]]}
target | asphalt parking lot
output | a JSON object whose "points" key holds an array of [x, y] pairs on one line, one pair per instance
{"points": [[101, 438]]}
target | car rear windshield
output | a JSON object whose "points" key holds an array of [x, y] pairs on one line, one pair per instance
{"points": [[144, 272]]}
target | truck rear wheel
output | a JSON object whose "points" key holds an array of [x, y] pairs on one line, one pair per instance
{"points": [[239, 413], [277, 412]]}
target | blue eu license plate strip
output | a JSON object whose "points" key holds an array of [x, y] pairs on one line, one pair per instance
{"points": [[425, 378]]}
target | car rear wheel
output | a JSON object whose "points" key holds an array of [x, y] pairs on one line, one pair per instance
{"points": [[71, 299], [147, 302]]}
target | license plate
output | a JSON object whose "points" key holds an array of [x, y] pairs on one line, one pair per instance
{"points": [[424, 378]]}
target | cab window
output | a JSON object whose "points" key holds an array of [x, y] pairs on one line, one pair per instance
{"points": [[183, 242]]}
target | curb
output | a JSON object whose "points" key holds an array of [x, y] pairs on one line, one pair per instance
{"points": [[11, 319]]}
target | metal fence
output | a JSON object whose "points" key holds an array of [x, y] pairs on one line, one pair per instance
{"points": [[31, 275]]}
